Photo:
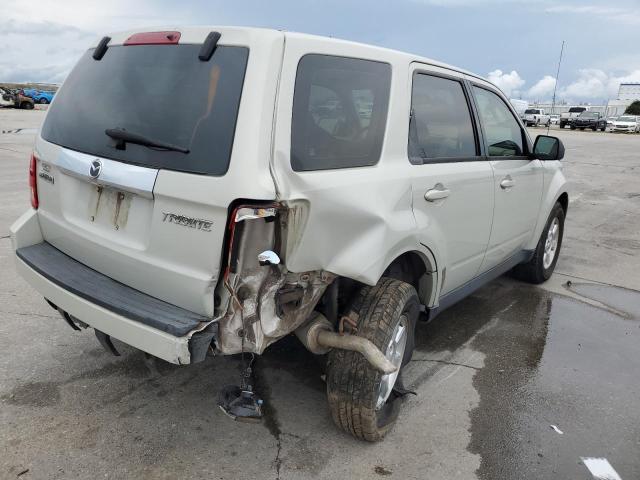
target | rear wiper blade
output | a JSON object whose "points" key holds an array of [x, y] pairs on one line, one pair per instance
{"points": [[122, 136]]}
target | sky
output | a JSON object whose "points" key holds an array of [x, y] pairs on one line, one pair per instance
{"points": [[514, 43]]}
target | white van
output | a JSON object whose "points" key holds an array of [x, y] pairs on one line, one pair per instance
{"points": [[215, 189]]}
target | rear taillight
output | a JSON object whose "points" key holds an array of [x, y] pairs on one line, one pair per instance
{"points": [[33, 184]]}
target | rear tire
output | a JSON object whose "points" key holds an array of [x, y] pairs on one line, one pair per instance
{"points": [[43, 101], [355, 390], [545, 257], [572, 127]]}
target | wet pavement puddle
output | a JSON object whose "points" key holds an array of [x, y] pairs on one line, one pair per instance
{"points": [[548, 361]]}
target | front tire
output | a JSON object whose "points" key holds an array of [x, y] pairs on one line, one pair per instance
{"points": [[545, 257], [361, 399]]}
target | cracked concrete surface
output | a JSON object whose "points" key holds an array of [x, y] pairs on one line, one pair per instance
{"points": [[491, 374]]}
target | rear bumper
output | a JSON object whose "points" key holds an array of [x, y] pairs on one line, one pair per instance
{"points": [[160, 329]]}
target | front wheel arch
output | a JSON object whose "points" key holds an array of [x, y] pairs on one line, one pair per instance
{"points": [[563, 200]]}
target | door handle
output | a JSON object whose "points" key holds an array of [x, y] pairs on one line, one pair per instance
{"points": [[438, 192], [507, 182]]}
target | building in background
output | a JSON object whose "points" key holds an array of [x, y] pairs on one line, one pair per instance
{"points": [[627, 93]]}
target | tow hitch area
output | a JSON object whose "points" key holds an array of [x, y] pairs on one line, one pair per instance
{"points": [[240, 404]]}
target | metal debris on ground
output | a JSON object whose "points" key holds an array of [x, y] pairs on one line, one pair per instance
{"points": [[556, 429]]}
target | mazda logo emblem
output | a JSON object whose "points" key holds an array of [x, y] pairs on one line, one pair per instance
{"points": [[96, 168]]}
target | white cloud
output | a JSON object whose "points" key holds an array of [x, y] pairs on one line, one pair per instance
{"points": [[42, 40], [543, 88], [629, 16], [473, 3], [593, 83], [97, 17], [39, 50], [509, 83]]}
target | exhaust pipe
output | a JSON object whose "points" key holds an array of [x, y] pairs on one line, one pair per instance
{"points": [[318, 337]]}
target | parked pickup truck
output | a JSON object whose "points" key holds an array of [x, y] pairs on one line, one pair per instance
{"points": [[567, 117], [593, 120], [299, 188], [536, 116]]}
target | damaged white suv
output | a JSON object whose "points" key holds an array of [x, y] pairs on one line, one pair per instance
{"points": [[216, 189]]}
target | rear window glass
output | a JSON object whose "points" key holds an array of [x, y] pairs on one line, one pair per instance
{"points": [[339, 112], [576, 109], [161, 92]]}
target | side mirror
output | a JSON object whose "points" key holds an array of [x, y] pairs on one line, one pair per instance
{"points": [[548, 148]]}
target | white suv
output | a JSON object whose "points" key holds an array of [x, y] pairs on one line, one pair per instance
{"points": [[216, 189]]}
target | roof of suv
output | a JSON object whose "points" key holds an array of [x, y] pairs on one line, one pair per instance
{"points": [[197, 34]]}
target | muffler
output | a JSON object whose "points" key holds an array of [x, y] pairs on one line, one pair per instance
{"points": [[318, 336]]}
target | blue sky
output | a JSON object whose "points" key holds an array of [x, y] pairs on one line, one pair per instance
{"points": [[515, 43]]}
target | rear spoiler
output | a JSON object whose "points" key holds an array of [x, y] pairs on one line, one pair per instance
{"points": [[208, 46]]}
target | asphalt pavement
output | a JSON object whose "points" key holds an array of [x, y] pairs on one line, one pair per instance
{"points": [[493, 375]]}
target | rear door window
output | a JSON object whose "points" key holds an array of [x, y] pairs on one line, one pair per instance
{"points": [[162, 92], [501, 129], [440, 124], [339, 112]]}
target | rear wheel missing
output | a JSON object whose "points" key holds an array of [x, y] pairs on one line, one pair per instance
{"points": [[362, 400]]}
